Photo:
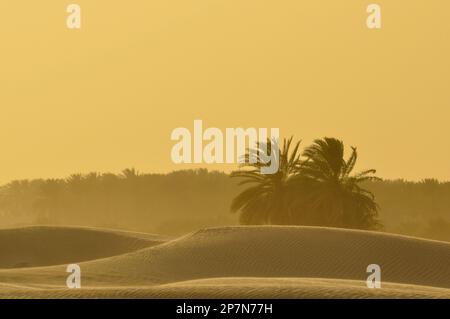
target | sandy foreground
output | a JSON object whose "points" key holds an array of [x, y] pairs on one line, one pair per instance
{"points": [[228, 262]]}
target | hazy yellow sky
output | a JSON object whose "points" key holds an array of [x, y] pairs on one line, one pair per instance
{"points": [[108, 96]]}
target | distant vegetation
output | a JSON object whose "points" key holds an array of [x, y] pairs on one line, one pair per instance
{"points": [[184, 201], [173, 203]]}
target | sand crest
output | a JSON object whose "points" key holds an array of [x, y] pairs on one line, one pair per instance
{"points": [[251, 262]]}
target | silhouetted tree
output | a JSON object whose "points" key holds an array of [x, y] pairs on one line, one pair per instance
{"points": [[265, 200], [330, 192], [319, 190]]}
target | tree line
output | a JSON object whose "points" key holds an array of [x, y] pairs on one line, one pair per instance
{"points": [[184, 201]]}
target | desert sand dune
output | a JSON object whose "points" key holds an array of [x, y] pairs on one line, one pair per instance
{"points": [[231, 288], [44, 246], [261, 262]]}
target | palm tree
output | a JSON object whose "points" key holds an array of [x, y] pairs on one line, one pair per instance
{"points": [[130, 173], [331, 193], [266, 200]]}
